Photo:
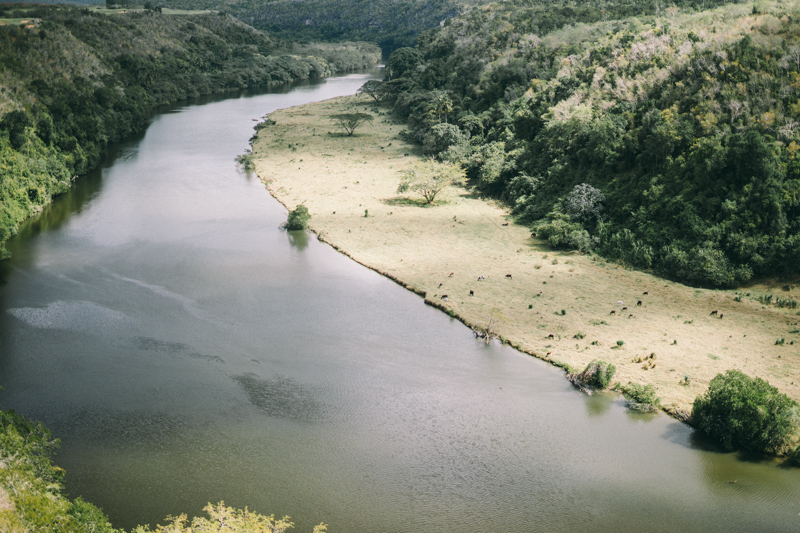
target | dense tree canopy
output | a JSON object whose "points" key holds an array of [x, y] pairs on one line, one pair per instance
{"points": [[685, 122]]}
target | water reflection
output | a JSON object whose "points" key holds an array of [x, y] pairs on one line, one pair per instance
{"points": [[298, 239], [599, 403]]}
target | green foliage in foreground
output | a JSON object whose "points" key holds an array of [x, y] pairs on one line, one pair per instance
{"points": [[598, 374], [31, 487], [744, 412], [685, 122], [298, 218], [32, 494], [79, 80], [222, 519]]}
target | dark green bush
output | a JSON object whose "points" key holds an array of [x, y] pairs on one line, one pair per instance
{"points": [[744, 412], [297, 219]]}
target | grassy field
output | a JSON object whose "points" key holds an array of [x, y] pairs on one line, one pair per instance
{"points": [[669, 337]]}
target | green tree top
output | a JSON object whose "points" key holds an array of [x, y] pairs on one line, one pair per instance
{"points": [[351, 121], [373, 88], [744, 412], [429, 178]]}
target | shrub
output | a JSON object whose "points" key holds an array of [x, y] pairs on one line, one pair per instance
{"points": [[744, 412], [640, 397], [297, 219], [598, 374]]}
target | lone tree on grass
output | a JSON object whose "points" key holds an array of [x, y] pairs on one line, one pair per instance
{"points": [[744, 412], [429, 178], [351, 121]]}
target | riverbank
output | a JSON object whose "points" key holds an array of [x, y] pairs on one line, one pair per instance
{"points": [[442, 250]]}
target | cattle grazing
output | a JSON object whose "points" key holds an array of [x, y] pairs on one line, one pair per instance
{"points": [[624, 308], [644, 293], [440, 285], [612, 312], [481, 278], [451, 274], [533, 235], [505, 223], [508, 276], [714, 312], [721, 315], [619, 302], [472, 293], [630, 316], [551, 336], [639, 303], [444, 297]]}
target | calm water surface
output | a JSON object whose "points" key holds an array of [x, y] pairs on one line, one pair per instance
{"points": [[187, 350]]}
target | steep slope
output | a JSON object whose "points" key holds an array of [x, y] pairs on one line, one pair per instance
{"points": [[667, 142]]}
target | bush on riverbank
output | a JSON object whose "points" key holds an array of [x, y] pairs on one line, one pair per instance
{"points": [[640, 397], [744, 412], [597, 374], [298, 218]]}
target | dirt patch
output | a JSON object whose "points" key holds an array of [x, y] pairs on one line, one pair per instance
{"points": [[530, 292]]}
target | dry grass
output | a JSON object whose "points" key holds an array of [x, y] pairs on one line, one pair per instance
{"points": [[339, 177]]}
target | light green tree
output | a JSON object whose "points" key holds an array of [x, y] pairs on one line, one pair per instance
{"points": [[430, 177], [222, 519]]}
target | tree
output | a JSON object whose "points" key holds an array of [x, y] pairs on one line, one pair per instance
{"points": [[583, 202], [401, 61], [373, 88], [351, 121], [744, 412], [429, 178], [297, 219]]}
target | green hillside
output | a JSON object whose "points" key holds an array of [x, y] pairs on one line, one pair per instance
{"points": [[390, 24], [666, 142], [72, 80]]}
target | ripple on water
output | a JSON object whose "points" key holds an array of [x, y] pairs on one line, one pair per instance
{"points": [[281, 397], [84, 317]]}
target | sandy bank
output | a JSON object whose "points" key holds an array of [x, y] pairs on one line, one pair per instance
{"points": [[463, 237]]}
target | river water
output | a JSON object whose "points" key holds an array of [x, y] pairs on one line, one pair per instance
{"points": [[186, 350]]}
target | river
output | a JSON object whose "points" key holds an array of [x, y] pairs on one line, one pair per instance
{"points": [[187, 350]]}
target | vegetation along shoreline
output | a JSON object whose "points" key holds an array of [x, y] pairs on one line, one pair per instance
{"points": [[664, 339]]}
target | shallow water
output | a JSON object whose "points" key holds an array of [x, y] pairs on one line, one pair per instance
{"points": [[187, 350]]}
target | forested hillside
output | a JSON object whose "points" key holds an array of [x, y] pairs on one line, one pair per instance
{"points": [[390, 24], [71, 81], [667, 141]]}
